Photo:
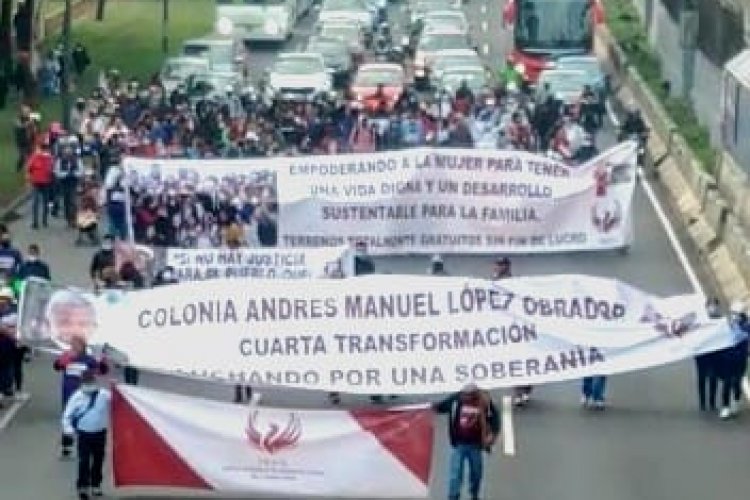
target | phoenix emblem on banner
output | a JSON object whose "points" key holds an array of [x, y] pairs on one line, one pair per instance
{"points": [[275, 438], [670, 327]]}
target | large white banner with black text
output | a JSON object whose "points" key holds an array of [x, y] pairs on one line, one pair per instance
{"points": [[419, 200], [405, 334]]}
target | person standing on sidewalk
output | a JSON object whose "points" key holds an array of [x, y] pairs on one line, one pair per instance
{"points": [[41, 176], [86, 417], [473, 428]]}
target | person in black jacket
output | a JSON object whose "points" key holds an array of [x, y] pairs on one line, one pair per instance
{"points": [[34, 266], [473, 427], [706, 366], [732, 362], [102, 259]]}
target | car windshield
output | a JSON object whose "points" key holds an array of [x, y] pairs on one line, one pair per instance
{"points": [[297, 66], [327, 47], [344, 5], [431, 5], [442, 62], [347, 33], [591, 67], [443, 41], [475, 78], [180, 70], [445, 19], [553, 24], [215, 53], [375, 76]]}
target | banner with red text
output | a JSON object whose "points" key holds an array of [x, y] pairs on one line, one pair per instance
{"points": [[168, 443], [391, 334], [418, 200]]}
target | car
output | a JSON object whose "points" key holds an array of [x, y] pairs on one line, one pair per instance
{"points": [[442, 20], [450, 58], [176, 70], [430, 45], [598, 79], [261, 20], [297, 76], [350, 33], [565, 85], [212, 84], [367, 79], [223, 54], [475, 77], [336, 55], [357, 11], [419, 8]]}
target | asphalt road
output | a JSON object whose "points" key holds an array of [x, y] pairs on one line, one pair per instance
{"points": [[649, 444]]}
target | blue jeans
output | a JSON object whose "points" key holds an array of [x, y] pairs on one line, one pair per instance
{"points": [[465, 453], [593, 388]]}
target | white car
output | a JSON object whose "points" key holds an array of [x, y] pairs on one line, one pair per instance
{"points": [[298, 76], [445, 20], [447, 59], [176, 71], [419, 8], [358, 11], [430, 45]]}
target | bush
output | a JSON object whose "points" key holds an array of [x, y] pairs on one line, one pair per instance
{"points": [[625, 25]]}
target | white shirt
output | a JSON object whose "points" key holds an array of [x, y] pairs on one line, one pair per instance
{"points": [[95, 419]]}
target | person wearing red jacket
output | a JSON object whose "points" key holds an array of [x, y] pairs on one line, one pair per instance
{"points": [[40, 174]]}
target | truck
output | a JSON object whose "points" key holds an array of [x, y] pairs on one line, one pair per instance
{"points": [[544, 30]]}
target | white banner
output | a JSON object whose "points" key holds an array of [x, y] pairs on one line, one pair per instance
{"points": [[193, 264], [405, 334], [419, 200], [165, 442]]}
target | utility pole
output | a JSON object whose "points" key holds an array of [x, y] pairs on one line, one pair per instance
{"points": [[6, 46], [165, 27], [65, 80]]}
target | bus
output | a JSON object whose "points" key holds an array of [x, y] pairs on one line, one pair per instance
{"points": [[544, 30], [261, 20]]}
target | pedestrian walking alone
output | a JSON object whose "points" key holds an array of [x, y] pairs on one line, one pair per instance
{"points": [[473, 428], [86, 417]]}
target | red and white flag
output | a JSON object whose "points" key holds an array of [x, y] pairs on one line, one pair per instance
{"points": [[164, 442]]}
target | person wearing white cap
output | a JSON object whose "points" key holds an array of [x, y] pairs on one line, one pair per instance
{"points": [[732, 362], [473, 427]]}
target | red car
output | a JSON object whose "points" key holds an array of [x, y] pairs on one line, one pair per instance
{"points": [[364, 87]]}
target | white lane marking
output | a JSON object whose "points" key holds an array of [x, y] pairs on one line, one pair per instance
{"points": [[485, 26], [684, 261], [10, 413], [483, 8], [508, 437], [486, 49], [611, 113]]}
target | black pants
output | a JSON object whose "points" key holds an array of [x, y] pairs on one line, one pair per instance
{"points": [[707, 379], [6, 377], [731, 389], [242, 390], [91, 446], [18, 360], [68, 199]]}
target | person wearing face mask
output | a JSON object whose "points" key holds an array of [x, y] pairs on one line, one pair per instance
{"points": [[732, 362], [86, 418], [34, 266], [10, 258], [103, 258]]}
